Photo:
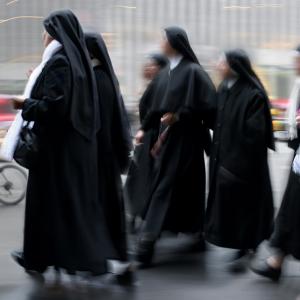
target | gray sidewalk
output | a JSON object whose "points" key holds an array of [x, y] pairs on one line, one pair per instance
{"points": [[175, 275]]}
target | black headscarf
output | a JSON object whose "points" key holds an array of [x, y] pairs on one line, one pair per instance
{"points": [[178, 39], [160, 59], [239, 62], [64, 27], [97, 49]]}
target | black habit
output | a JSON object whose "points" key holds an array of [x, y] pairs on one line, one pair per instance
{"points": [[114, 145], [286, 235], [176, 195], [240, 203], [64, 222], [137, 183]]}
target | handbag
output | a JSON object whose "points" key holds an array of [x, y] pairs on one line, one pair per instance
{"points": [[162, 137], [27, 150]]}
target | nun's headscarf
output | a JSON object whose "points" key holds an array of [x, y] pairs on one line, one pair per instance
{"points": [[97, 49], [64, 27], [178, 39], [239, 62], [160, 59]]}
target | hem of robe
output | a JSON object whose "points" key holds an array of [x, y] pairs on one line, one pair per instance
{"points": [[217, 241], [42, 269], [292, 249]]}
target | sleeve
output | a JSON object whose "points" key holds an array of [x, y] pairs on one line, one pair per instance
{"points": [[200, 98], [255, 125], [122, 138], [56, 93]]}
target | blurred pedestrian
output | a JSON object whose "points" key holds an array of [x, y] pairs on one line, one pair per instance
{"points": [[285, 239], [64, 222], [294, 106], [240, 203], [114, 147], [154, 63], [141, 165], [182, 98]]}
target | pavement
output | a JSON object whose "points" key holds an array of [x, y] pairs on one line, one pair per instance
{"points": [[174, 275]]}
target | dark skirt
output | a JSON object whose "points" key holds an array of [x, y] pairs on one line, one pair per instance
{"points": [[176, 199], [64, 219], [286, 236], [137, 184], [240, 212]]}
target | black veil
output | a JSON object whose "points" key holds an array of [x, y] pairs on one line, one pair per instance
{"points": [[239, 62], [179, 40], [64, 27], [97, 48]]}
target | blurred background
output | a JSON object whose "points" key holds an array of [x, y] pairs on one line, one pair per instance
{"points": [[132, 28], [268, 29]]}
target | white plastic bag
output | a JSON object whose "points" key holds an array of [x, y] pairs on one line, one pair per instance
{"points": [[296, 163], [11, 139]]}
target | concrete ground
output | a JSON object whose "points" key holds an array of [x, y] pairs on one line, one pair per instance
{"points": [[175, 274]]}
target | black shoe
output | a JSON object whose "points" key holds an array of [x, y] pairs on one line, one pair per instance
{"points": [[265, 270], [128, 278], [239, 262], [145, 252], [18, 257], [197, 246]]}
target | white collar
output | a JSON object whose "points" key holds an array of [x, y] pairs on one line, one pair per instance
{"points": [[175, 61]]}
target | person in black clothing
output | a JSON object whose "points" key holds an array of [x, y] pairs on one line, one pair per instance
{"points": [[240, 204], [64, 220], [182, 98], [114, 147], [285, 239], [155, 62], [141, 165]]}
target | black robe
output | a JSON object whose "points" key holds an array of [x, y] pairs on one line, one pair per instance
{"points": [[109, 148], [286, 235], [64, 222], [240, 204], [176, 197], [137, 185]]}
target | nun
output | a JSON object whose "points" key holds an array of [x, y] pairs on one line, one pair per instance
{"points": [[64, 222], [285, 239], [156, 62], [141, 165], [240, 204], [114, 147], [182, 101]]}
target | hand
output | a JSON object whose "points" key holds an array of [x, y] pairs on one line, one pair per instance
{"points": [[169, 119], [139, 137], [17, 102], [29, 72]]}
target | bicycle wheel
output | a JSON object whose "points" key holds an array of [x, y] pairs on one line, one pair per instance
{"points": [[13, 181]]}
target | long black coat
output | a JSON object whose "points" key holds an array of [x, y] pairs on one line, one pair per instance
{"points": [[64, 222], [176, 196], [113, 147], [137, 183], [240, 205]]}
